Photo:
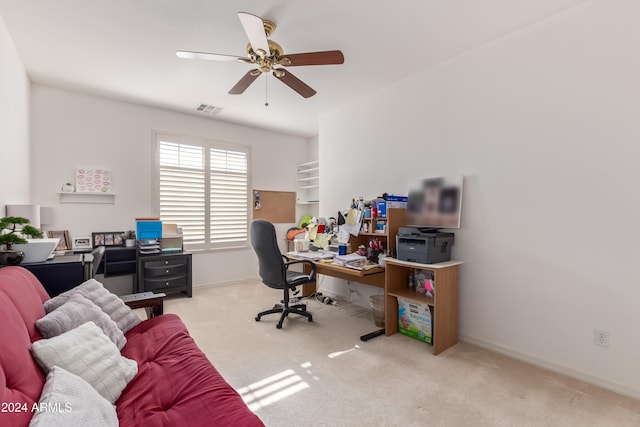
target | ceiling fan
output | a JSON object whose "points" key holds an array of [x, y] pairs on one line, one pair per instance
{"points": [[268, 56]]}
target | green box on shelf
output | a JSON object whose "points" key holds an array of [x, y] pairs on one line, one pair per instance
{"points": [[414, 320]]}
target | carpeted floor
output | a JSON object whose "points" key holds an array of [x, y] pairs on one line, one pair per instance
{"points": [[321, 374]]}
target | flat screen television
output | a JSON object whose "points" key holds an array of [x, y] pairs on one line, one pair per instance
{"points": [[435, 203]]}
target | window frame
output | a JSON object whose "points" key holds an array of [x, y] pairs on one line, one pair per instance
{"points": [[207, 144]]}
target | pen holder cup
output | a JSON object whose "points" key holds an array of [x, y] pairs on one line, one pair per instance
{"points": [[374, 255]]}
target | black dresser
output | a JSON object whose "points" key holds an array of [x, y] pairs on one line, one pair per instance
{"points": [[61, 273], [168, 273]]}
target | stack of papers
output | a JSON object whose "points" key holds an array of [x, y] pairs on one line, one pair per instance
{"points": [[345, 259], [312, 255], [355, 261], [362, 264]]}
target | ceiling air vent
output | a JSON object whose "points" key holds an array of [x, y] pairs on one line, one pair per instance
{"points": [[208, 109]]}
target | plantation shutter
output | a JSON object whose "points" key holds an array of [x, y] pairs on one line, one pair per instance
{"points": [[229, 196], [204, 188]]}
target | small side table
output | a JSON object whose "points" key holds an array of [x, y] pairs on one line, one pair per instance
{"points": [[152, 303]]}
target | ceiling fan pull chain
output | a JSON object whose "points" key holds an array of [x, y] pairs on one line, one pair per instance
{"points": [[266, 89]]}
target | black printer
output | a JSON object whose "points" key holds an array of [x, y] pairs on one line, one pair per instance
{"points": [[423, 245]]}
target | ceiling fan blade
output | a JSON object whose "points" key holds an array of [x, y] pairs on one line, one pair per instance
{"points": [[245, 82], [312, 58], [254, 27], [209, 56], [294, 83]]}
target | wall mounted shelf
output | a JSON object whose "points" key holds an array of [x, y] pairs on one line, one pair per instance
{"points": [[97, 198], [308, 182]]}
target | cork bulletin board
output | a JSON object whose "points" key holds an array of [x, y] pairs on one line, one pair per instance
{"points": [[274, 206]]}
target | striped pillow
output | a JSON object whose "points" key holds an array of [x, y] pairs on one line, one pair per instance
{"points": [[87, 352], [73, 313], [108, 302]]}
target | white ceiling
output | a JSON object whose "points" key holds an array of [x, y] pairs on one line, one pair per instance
{"points": [[125, 49]]}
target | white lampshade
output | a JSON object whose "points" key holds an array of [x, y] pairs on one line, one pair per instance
{"points": [[46, 215], [31, 212]]}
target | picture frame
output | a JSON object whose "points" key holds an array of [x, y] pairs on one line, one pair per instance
{"points": [[81, 243], [107, 238], [63, 235]]}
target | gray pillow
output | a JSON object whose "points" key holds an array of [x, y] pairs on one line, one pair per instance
{"points": [[88, 353], [108, 302], [74, 403], [73, 313]]}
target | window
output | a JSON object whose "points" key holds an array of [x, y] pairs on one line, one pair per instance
{"points": [[203, 186]]}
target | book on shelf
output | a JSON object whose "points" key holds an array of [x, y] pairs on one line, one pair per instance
{"points": [[148, 218]]}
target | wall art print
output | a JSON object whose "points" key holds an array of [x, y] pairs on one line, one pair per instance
{"points": [[90, 180]]}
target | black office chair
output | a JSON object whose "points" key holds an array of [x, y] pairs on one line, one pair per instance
{"points": [[97, 253], [274, 271]]}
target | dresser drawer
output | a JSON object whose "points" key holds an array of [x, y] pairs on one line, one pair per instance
{"points": [[168, 273], [169, 282], [164, 270], [167, 262]]}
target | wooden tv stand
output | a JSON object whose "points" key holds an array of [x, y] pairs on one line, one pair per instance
{"points": [[444, 305]]}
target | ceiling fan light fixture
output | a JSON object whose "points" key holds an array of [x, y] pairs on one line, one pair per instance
{"points": [[265, 55], [269, 27]]}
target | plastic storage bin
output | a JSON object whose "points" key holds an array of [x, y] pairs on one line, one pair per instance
{"points": [[377, 304]]}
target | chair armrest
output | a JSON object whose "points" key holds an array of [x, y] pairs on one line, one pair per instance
{"points": [[312, 275], [152, 303]]}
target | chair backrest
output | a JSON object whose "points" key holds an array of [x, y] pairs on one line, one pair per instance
{"points": [[270, 263], [97, 253]]}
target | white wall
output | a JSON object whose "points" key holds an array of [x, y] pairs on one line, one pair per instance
{"points": [[543, 123], [14, 125], [73, 130]]}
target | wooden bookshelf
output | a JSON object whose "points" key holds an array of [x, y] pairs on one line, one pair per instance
{"points": [[444, 304], [395, 219]]}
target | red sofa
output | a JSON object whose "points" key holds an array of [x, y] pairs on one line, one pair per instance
{"points": [[176, 385]]}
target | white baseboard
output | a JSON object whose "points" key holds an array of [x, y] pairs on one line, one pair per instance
{"points": [[231, 282], [587, 377]]}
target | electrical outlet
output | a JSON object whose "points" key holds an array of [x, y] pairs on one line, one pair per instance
{"points": [[601, 338]]}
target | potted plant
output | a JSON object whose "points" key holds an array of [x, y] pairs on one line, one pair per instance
{"points": [[129, 238], [68, 188], [12, 230]]}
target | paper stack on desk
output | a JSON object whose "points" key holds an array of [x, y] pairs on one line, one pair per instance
{"points": [[362, 264], [312, 255], [345, 259], [355, 261]]}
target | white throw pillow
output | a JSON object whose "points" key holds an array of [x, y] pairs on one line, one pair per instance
{"points": [[108, 302], [73, 313], [87, 352], [68, 400]]}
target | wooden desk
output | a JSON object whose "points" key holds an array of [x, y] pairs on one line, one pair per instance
{"points": [[372, 276]]}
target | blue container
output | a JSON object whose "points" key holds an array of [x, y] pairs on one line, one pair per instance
{"points": [[342, 249], [382, 208], [149, 230]]}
